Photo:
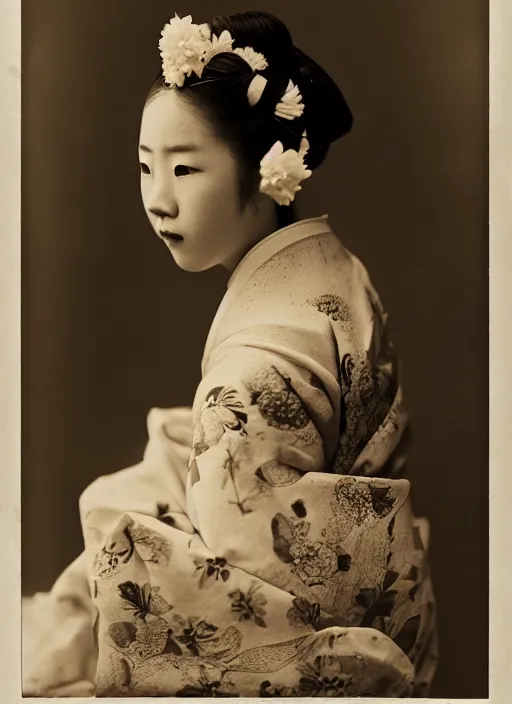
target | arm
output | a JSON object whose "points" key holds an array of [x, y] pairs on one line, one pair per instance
{"points": [[59, 649], [262, 423], [260, 496], [59, 653]]}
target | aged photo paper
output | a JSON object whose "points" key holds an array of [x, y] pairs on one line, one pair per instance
{"points": [[13, 511]]}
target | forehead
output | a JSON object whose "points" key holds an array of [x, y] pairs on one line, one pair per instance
{"points": [[169, 118]]}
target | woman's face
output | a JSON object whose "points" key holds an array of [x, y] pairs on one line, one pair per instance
{"points": [[189, 186]]}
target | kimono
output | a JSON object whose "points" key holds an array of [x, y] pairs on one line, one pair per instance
{"points": [[285, 559]]}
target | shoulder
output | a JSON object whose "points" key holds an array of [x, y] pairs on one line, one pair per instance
{"points": [[309, 284], [305, 265]]}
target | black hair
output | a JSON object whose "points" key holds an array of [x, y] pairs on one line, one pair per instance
{"points": [[221, 94]]}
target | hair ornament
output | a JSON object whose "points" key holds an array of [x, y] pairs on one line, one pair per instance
{"points": [[282, 172], [256, 88], [183, 47], [186, 48], [255, 60], [219, 45], [290, 106]]}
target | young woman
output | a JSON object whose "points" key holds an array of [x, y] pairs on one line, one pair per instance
{"points": [[281, 558]]}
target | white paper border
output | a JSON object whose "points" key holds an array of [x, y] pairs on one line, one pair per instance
{"points": [[500, 374]]}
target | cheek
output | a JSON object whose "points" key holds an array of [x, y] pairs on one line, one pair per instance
{"points": [[221, 194], [210, 198], [144, 192]]}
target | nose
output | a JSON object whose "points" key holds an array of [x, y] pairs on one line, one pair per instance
{"points": [[162, 201]]}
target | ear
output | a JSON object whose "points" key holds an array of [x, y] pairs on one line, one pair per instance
{"points": [[259, 202]]}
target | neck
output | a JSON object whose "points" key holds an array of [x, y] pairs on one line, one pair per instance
{"points": [[265, 222]]}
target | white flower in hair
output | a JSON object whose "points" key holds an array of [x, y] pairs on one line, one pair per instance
{"points": [[183, 46], [290, 106], [282, 171], [219, 45], [255, 60]]}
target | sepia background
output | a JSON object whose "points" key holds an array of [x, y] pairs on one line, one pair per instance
{"points": [[112, 327]]}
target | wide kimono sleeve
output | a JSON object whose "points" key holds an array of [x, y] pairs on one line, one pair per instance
{"points": [[270, 575], [59, 643], [59, 653], [263, 500], [265, 416]]}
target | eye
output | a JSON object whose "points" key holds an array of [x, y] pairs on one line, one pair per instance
{"points": [[144, 168], [182, 170]]}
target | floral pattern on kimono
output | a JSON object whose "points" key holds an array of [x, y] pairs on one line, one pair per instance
{"points": [[333, 566], [290, 563]]}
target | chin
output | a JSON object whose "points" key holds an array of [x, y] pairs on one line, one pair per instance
{"points": [[192, 267]]}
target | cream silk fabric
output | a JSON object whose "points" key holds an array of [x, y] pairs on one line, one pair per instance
{"points": [[285, 560]]}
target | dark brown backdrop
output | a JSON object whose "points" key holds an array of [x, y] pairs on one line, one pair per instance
{"points": [[112, 327]]}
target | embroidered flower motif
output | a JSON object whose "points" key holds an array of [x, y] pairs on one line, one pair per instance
{"points": [[314, 563], [334, 307], [123, 633], [117, 551], [163, 511], [363, 501], [352, 498], [290, 106], [183, 46], [273, 473], [212, 567], [193, 632], [209, 683], [141, 640], [303, 613], [222, 410], [277, 400], [323, 677], [255, 60], [119, 547], [268, 690], [144, 640], [307, 437], [204, 639], [151, 546], [382, 499], [249, 605], [282, 171], [143, 600]]}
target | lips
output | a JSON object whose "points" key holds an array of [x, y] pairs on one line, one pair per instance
{"points": [[171, 236]]}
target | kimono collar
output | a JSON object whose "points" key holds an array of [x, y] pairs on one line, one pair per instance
{"points": [[255, 258], [270, 245]]}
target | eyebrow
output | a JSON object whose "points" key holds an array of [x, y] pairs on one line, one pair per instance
{"points": [[171, 150]]}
